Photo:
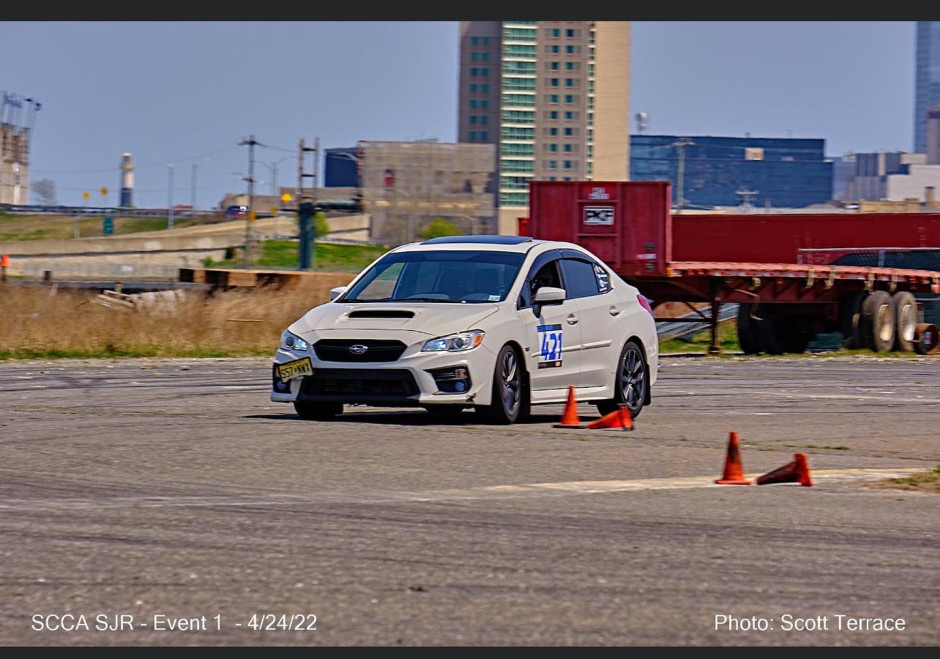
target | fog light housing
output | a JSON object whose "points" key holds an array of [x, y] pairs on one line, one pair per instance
{"points": [[451, 380], [278, 385]]}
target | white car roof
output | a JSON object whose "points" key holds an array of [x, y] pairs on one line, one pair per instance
{"points": [[498, 243]]}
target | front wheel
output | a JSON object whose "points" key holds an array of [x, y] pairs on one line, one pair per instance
{"points": [[510, 399], [631, 386]]}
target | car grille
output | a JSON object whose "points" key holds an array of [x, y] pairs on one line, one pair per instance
{"points": [[337, 350], [359, 386]]}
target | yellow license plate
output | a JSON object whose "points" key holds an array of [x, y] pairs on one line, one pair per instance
{"points": [[295, 369]]}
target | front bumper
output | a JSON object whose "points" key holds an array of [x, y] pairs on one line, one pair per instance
{"points": [[420, 379]]}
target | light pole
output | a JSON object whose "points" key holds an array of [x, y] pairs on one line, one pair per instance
{"points": [[169, 204]]}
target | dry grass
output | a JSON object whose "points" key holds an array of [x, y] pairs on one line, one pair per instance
{"points": [[928, 481], [42, 322]]}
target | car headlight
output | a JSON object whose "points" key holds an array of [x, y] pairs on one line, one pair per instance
{"points": [[455, 342], [290, 341]]}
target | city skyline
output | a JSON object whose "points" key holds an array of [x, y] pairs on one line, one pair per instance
{"points": [[107, 88]]}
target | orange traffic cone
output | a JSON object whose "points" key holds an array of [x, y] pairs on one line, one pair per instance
{"points": [[796, 471], [570, 419], [619, 418], [734, 472]]}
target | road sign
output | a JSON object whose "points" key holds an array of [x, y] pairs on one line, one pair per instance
{"points": [[108, 226]]}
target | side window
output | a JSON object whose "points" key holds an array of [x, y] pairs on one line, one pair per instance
{"points": [[547, 275], [580, 278]]}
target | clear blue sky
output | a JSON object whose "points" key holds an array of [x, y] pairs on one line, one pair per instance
{"points": [[187, 93]]}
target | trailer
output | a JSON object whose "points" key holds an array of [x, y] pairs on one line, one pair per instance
{"points": [[783, 270]]}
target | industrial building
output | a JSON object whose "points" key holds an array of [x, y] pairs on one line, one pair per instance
{"points": [[17, 118], [552, 96], [709, 172], [403, 185], [886, 177]]}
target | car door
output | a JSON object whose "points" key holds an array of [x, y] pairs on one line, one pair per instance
{"points": [[588, 285], [552, 336]]}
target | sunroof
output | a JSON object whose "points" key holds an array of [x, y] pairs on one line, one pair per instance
{"points": [[487, 239]]}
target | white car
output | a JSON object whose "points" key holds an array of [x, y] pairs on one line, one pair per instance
{"points": [[493, 323]]}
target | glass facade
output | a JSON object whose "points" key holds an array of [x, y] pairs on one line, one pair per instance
{"points": [[927, 79], [517, 132], [735, 171]]}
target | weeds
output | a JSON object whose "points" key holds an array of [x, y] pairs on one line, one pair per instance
{"points": [[43, 323]]}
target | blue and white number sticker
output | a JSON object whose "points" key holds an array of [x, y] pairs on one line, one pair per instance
{"points": [[550, 346]]}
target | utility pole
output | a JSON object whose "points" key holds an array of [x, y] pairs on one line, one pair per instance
{"points": [[680, 145], [249, 239], [306, 206]]}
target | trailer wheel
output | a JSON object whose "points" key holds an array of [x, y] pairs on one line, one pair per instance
{"points": [[877, 321], [747, 336], [791, 337], [905, 320], [767, 331], [850, 310]]}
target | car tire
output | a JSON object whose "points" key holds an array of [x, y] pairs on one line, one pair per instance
{"points": [[317, 411], [509, 401], [631, 384]]}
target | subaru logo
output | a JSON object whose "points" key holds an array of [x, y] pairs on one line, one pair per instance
{"points": [[358, 349]]}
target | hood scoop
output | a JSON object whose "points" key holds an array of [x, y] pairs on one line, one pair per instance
{"points": [[381, 313]]}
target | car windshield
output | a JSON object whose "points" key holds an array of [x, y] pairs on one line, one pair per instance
{"points": [[438, 276]]}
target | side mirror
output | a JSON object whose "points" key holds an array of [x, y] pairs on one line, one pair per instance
{"points": [[547, 295], [550, 295], [336, 292]]}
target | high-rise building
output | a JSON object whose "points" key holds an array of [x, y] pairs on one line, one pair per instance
{"points": [[553, 96], [927, 79]]}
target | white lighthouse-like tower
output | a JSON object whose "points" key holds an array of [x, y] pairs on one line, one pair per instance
{"points": [[127, 180]]}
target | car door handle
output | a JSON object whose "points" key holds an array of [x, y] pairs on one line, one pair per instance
{"points": [[614, 311], [572, 319]]}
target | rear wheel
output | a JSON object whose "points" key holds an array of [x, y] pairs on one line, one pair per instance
{"points": [[317, 411], [510, 397], [631, 387], [905, 320], [766, 331], [877, 321], [850, 311], [747, 336]]}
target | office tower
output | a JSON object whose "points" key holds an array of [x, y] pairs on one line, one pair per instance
{"points": [[553, 96], [927, 79]]}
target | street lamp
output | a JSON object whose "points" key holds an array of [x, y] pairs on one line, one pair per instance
{"points": [[273, 167]]}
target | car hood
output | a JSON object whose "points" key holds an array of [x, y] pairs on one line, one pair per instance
{"points": [[433, 319]]}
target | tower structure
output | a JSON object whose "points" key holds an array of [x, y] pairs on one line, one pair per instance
{"points": [[127, 181], [553, 96], [926, 79]]}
